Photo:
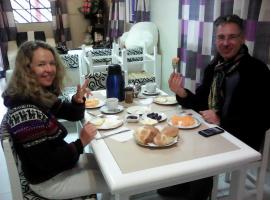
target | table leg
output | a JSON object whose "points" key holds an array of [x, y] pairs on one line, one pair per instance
{"points": [[237, 187]]}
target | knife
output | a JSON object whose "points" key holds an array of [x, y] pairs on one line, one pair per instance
{"points": [[105, 136]]}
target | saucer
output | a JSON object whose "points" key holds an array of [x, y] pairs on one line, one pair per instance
{"points": [[105, 110], [138, 110], [145, 92]]}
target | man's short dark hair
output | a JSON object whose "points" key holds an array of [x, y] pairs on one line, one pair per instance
{"points": [[230, 19]]}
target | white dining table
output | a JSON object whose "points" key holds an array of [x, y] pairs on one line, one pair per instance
{"points": [[131, 169]]}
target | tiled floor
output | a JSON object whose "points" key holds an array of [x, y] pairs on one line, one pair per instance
{"points": [[152, 195]]}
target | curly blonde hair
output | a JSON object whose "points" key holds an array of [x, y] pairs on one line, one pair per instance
{"points": [[23, 83]]}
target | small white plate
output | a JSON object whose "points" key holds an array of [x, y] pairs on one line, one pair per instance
{"points": [[195, 125], [101, 103], [132, 120], [105, 110], [148, 121], [144, 117], [145, 92], [165, 100], [110, 122], [153, 145], [138, 110]]}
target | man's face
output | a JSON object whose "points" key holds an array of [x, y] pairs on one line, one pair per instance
{"points": [[229, 40]]}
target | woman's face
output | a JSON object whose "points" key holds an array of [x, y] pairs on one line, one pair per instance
{"points": [[229, 40], [44, 66]]}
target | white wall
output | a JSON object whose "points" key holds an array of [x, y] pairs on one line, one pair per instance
{"points": [[78, 24], [165, 15]]}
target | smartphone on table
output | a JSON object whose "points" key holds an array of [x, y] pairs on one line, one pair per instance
{"points": [[211, 131]]}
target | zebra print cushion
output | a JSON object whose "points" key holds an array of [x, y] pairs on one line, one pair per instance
{"points": [[100, 52], [140, 77], [67, 92], [97, 80], [136, 51], [71, 60]]}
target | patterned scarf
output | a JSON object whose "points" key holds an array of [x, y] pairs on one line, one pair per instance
{"points": [[223, 69]]}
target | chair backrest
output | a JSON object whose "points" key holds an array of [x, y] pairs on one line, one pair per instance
{"points": [[259, 179], [20, 189], [11, 161], [150, 62], [95, 60], [142, 34]]}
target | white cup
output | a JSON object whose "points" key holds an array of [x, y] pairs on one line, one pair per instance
{"points": [[112, 103], [151, 87]]}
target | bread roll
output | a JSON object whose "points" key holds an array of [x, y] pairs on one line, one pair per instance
{"points": [[162, 139], [170, 131], [145, 134]]}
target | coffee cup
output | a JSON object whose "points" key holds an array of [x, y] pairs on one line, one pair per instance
{"points": [[112, 103], [151, 87]]}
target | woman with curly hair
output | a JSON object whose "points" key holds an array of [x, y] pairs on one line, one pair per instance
{"points": [[54, 168]]}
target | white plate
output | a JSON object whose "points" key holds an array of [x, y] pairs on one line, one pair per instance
{"points": [[138, 110], [105, 110], [148, 121], [197, 124], [145, 92], [153, 145], [110, 122], [163, 117], [101, 103], [165, 100]]}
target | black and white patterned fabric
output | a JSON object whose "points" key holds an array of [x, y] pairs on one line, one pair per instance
{"points": [[97, 80], [140, 77], [29, 194], [67, 93], [131, 52], [100, 52], [71, 60]]}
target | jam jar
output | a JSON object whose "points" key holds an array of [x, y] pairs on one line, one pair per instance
{"points": [[129, 95]]}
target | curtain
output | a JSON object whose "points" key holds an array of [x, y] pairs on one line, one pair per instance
{"points": [[8, 30], [61, 27], [196, 45], [142, 11], [116, 19]]}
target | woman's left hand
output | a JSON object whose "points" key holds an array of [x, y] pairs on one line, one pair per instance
{"points": [[82, 91], [210, 116]]}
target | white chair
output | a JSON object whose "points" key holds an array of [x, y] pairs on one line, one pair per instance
{"points": [[258, 179], [20, 189], [94, 60], [138, 65], [94, 66], [139, 59], [144, 36]]}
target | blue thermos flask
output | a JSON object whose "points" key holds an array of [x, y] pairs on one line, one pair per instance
{"points": [[115, 83]]}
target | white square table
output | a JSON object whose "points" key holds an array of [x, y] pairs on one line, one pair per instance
{"points": [[130, 169]]}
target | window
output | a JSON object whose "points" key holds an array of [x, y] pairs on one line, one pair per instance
{"points": [[27, 11]]}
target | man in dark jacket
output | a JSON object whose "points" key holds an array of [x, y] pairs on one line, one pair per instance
{"points": [[233, 92]]}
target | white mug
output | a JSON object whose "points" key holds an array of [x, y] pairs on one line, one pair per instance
{"points": [[151, 87], [112, 103]]}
